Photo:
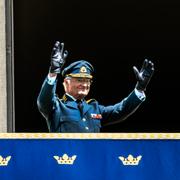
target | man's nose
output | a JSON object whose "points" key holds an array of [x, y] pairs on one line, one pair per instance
{"points": [[85, 84]]}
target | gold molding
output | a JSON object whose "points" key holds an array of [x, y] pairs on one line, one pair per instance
{"points": [[90, 136]]}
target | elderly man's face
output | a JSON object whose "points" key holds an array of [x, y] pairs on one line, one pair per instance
{"points": [[77, 87]]}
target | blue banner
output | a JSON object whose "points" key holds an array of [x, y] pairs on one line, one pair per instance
{"points": [[89, 159]]}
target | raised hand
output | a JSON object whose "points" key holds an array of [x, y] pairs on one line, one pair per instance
{"points": [[58, 58], [144, 75]]}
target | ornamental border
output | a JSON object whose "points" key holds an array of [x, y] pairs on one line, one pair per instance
{"points": [[89, 135]]}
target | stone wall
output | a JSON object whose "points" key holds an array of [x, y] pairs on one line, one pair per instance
{"points": [[3, 92]]}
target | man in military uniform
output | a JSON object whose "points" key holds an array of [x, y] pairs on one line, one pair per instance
{"points": [[73, 113]]}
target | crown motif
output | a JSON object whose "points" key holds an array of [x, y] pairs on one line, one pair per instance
{"points": [[65, 159], [4, 161], [130, 160]]}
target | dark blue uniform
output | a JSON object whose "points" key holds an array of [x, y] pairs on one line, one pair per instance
{"points": [[63, 115]]}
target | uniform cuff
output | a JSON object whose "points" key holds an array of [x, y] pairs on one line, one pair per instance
{"points": [[140, 95], [51, 80]]}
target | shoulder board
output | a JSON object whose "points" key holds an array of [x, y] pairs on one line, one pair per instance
{"points": [[90, 100], [64, 98]]}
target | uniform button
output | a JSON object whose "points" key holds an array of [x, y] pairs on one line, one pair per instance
{"points": [[83, 119], [86, 127]]}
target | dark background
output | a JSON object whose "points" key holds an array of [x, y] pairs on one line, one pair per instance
{"points": [[114, 36]]}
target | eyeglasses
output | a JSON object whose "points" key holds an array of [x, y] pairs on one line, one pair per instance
{"points": [[82, 80]]}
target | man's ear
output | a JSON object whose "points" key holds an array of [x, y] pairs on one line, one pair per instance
{"points": [[66, 81]]}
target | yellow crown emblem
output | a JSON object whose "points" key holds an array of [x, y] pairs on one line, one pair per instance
{"points": [[4, 161], [130, 160], [65, 159]]}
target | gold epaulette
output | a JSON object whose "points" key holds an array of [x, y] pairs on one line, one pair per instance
{"points": [[90, 100], [64, 98]]}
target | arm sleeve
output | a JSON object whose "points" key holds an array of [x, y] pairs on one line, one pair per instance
{"points": [[47, 97], [120, 111]]}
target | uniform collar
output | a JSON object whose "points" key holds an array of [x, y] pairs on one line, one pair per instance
{"points": [[70, 101], [68, 97]]}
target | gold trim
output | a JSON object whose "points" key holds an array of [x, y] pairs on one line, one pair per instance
{"points": [[89, 135], [80, 75]]}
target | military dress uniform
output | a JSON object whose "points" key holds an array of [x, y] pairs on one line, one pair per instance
{"points": [[68, 115]]}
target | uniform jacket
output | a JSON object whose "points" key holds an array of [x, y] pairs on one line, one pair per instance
{"points": [[63, 115]]}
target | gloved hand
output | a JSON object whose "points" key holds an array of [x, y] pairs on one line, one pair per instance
{"points": [[143, 77], [58, 57]]}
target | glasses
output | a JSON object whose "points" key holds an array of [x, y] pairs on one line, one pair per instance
{"points": [[82, 80]]}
